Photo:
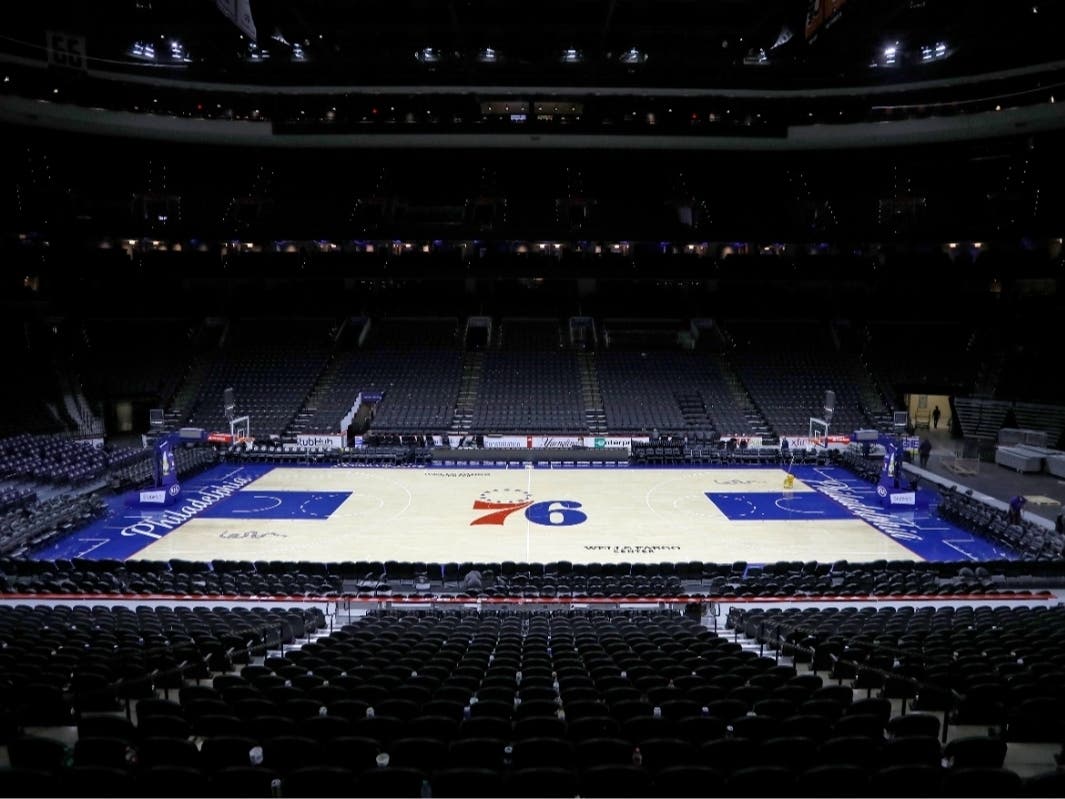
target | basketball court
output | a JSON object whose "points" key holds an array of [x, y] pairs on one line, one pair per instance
{"points": [[442, 514]]}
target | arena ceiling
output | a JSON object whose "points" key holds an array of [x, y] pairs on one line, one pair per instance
{"points": [[594, 43], [805, 68]]}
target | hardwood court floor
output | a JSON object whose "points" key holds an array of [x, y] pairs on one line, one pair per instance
{"points": [[580, 515]]}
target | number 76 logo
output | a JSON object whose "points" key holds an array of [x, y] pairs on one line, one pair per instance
{"points": [[552, 513]]}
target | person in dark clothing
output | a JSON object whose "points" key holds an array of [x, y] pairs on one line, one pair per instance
{"points": [[1014, 513], [925, 450], [472, 581], [935, 417]]}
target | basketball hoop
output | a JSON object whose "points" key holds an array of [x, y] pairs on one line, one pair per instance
{"points": [[240, 429]]}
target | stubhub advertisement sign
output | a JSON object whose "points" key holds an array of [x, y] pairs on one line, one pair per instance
{"points": [[320, 441]]}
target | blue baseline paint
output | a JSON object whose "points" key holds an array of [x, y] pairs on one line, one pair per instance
{"points": [[115, 535], [275, 504], [920, 531]]}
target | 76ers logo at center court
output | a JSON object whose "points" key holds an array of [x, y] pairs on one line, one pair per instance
{"points": [[500, 503]]}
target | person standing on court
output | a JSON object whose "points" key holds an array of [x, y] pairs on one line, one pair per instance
{"points": [[935, 418], [925, 450]]}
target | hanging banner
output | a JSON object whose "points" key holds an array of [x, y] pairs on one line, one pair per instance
{"points": [[820, 14], [239, 13]]}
